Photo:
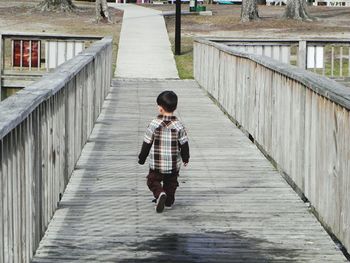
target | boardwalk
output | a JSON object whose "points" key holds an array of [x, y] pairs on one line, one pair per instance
{"points": [[232, 205]]}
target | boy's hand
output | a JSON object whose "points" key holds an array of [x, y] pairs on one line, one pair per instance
{"points": [[185, 164]]}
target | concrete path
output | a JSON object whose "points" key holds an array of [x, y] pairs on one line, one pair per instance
{"points": [[144, 47], [231, 206]]}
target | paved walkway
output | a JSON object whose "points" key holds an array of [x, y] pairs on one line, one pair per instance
{"points": [[144, 47], [232, 205]]}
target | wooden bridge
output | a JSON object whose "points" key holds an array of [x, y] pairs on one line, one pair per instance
{"points": [[268, 174], [232, 205]]}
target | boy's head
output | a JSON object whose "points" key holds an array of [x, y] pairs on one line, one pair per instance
{"points": [[167, 100]]}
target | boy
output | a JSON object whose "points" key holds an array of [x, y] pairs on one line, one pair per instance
{"points": [[167, 143]]}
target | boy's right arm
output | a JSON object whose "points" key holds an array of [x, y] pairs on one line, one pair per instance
{"points": [[146, 147], [147, 144]]}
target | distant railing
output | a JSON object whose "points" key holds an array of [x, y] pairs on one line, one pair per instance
{"points": [[328, 57], [24, 58], [337, 3], [299, 119], [43, 129]]}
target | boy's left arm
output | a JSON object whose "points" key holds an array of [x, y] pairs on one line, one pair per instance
{"points": [[185, 153], [185, 149]]}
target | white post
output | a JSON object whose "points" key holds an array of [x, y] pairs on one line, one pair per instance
{"points": [[30, 55], [1, 60], [21, 56], [302, 54], [39, 55]]}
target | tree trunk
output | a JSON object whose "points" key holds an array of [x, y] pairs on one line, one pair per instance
{"points": [[249, 10], [102, 11], [296, 9], [57, 5]]}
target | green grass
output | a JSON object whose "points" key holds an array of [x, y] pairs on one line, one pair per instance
{"points": [[7, 92], [184, 62], [184, 65]]}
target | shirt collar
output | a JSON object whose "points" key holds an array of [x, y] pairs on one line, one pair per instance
{"points": [[167, 118]]}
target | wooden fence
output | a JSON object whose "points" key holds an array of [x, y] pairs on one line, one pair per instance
{"points": [[299, 119], [327, 57], [25, 58], [43, 129]]}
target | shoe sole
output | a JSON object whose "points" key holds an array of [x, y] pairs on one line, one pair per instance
{"points": [[161, 204]]}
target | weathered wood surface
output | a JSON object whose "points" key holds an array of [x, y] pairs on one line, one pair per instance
{"points": [[43, 129], [343, 80], [25, 35], [281, 50], [231, 206], [2, 48], [300, 119]]}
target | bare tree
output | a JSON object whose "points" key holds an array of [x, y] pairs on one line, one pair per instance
{"points": [[60, 5], [296, 9], [249, 10], [102, 11]]}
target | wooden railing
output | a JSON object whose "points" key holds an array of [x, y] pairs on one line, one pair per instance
{"points": [[300, 120], [25, 57], [327, 57], [337, 3], [43, 129]]}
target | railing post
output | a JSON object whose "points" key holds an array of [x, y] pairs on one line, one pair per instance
{"points": [[302, 54], [1, 61]]}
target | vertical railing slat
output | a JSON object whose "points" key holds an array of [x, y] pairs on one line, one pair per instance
{"points": [[39, 56], [30, 55], [332, 61], [324, 61], [341, 61], [21, 55], [2, 211], [349, 62]]}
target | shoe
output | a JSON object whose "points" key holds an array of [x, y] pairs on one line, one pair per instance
{"points": [[160, 202], [169, 207]]}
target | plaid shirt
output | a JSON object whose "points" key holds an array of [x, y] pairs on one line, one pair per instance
{"points": [[166, 134]]}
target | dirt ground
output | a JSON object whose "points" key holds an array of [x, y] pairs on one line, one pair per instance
{"points": [[22, 16], [331, 22]]}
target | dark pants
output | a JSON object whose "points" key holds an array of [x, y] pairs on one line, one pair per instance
{"points": [[170, 183]]}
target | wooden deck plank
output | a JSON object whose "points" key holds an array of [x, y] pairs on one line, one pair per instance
{"points": [[231, 206]]}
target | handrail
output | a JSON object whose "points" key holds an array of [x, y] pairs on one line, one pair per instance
{"points": [[49, 36], [298, 119], [322, 85], [48, 51], [325, 56], [43, 129]]}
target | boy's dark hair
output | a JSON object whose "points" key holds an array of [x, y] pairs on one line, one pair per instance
{"points": [[167, 100]]}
